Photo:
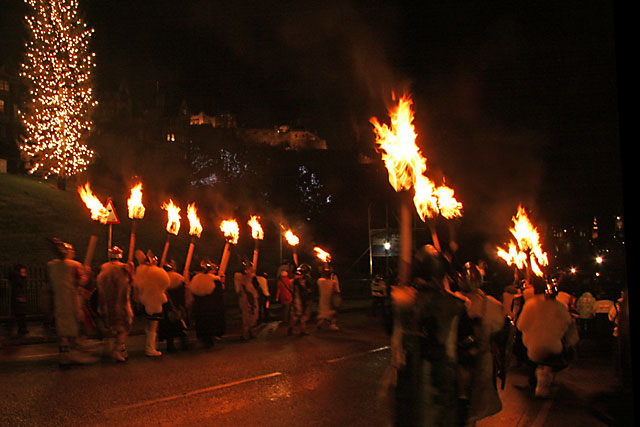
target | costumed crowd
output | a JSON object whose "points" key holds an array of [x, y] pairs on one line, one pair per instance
{"points": [[105, 304], [450, 340]]}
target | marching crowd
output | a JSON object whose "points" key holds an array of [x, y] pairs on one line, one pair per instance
{"points": [[172, 304], [450, 340]]}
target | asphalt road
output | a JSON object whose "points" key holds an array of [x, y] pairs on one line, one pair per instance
{"points": [[329, 378]]}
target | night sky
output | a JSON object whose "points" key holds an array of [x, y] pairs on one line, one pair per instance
{"points": [[515, 102]]}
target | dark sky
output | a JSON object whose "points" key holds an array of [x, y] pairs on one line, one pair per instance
{"points": [[515, 102]]}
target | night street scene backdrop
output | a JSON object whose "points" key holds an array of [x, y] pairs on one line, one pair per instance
{"points": [[514, 104], [246, 107]]}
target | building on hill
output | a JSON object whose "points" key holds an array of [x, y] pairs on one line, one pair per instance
{"points": [[283, 137]]}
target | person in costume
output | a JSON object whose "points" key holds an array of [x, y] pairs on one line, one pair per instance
{"points": [[549, 334], [207, 308], [150, 284], [175, 320], [302, 296], [327, 286], [247, 299], [114, 304], [66, 277]]}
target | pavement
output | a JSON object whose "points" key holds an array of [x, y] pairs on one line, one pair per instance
{"points": [[41, 341]]}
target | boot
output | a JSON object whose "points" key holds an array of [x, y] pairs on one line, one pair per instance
{"points": [[544, 378], [119, 353], [150, 346]]}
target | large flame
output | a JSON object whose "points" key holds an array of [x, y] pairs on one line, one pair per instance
{"points": [[134, 202], [527, 249], [406, 165], [98, 211], [322, 255], [195, 228], [447, 204], [173, 217], [256, 229], [291, 238], [230, 230]]}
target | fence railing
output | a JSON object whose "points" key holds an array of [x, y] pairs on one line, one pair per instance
{"points": [[36, 279]]}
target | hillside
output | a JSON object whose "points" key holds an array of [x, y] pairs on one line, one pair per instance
{"points": [[32, 211]]}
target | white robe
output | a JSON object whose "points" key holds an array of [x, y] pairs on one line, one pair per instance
{"points": [[545, 323], [151, 282]]}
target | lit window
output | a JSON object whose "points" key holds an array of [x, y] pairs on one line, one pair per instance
{"points": [[4, 85], [1, 105], [171, 137]]}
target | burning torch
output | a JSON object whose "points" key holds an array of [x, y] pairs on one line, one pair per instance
{"points": [[98, 213], [293, 241], [526, 251], [136, 212], [231, 233], [322, 255], [406, 167], [258, 234], [195, 230], [173, 226]]}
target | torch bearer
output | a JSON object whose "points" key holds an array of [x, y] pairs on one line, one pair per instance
{"points": [[231, 232], [173, 226], [406, 167], [195, 230], [98, 213], [136, 212], [293, 240], [258, 234]]}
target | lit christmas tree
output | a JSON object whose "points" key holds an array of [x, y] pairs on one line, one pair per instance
{"points": [[58, 69]]}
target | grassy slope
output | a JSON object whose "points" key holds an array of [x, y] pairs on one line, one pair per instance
{"points": [[31, 211]]}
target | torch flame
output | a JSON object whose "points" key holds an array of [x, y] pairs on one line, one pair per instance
{"points": [[406, 165], [291, 238], [527, 249], [98, 211], [195, 228], [447, 204], [323, 255], [173, 217], [256, 228], [230, 230], [134, 202]]}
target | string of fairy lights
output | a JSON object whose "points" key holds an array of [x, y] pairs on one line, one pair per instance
{"points": [[58, 67]]}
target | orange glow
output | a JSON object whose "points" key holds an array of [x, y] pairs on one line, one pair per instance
{"points": [[527, 249], [173, 217], [447, 204], [291, 238], [323, 255], [134, 202], [406, 165], [256, 229], [230, 230], [195, 228], [98, 211]]}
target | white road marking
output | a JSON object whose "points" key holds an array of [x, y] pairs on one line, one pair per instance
{"points": [[364, 353], [191, 393]]}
